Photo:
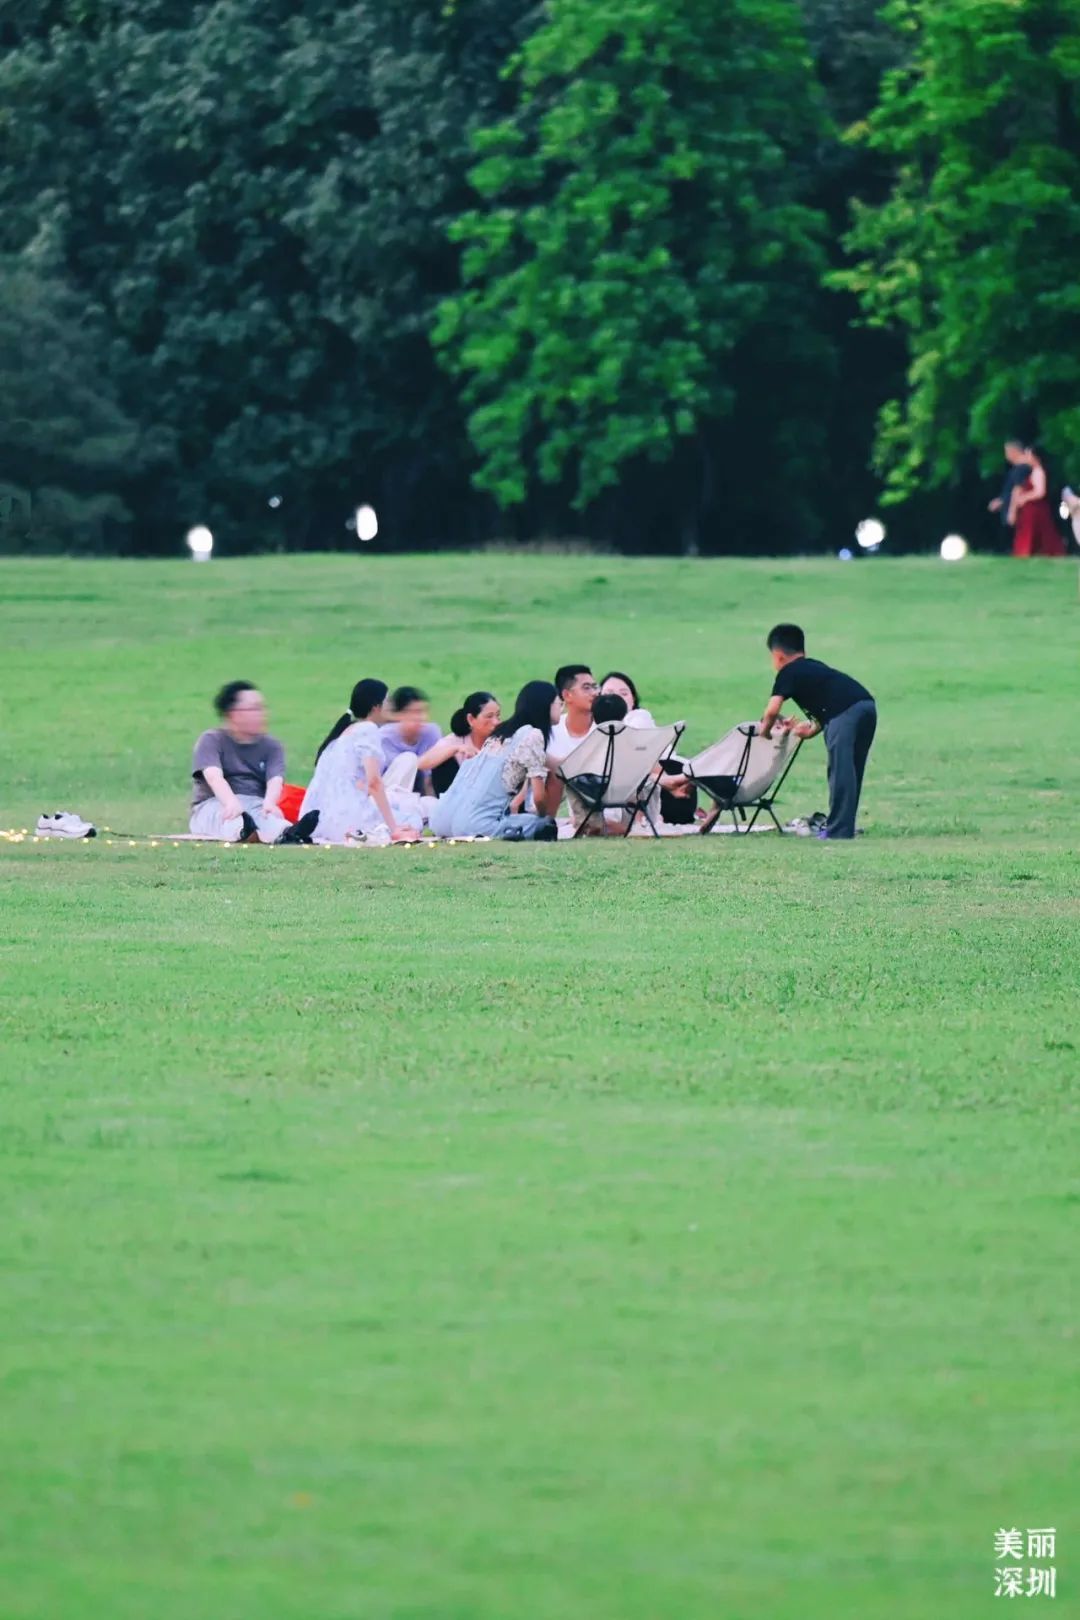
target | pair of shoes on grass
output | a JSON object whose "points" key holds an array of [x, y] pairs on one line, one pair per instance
{"points": [[64, 824], [807, 826]]}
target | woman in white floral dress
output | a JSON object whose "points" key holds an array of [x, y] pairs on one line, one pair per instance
{"points": [[477, 804], [347, 788]]}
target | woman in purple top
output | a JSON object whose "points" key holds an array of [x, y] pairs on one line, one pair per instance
{"points": [[409, 734]]}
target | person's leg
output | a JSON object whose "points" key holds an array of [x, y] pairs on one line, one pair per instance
{"points": [[580, 814], [864, 738], [207, 821], [678, 807], [843, 784], [408, 808], [270, 828], [401, 772], [443, 775]]}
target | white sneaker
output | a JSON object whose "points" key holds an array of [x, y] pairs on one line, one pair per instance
{"points": [[64, 824], [377, 838]]}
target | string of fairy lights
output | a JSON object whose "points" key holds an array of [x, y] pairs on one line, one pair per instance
{"points": [[113, 840]]}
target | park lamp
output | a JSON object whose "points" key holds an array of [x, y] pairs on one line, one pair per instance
{"points": [[367, 524], [200, 543], [954, 548], [869, 534]]}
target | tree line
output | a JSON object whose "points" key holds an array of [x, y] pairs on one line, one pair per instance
{"points": [[675, 275]]}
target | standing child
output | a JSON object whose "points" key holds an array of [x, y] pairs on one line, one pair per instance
{"points": [[835, 704]]}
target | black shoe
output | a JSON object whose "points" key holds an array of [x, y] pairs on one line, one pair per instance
{"points": [[249, 833], [547, 832], [300, 832]]}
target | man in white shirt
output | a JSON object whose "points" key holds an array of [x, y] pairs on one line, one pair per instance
{"points": [[577, 689]]}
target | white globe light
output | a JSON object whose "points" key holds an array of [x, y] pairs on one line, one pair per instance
{"points": [[870, 533], [200, 542], [845, 554], [954, 548], [367, 524], [274, 502]]}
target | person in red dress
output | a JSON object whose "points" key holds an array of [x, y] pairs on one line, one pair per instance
{"points": [[1035, 530]]}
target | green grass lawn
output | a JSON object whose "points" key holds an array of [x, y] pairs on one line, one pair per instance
{"points": [[679, 1231]]}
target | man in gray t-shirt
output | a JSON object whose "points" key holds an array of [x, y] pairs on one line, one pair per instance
{"points": [[238, 771]]}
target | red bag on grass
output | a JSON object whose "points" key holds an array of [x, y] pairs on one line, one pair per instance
{"points": [[292, 798]]}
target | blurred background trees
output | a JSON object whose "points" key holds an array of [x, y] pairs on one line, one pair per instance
{"points": [[509, 268], [973, 252]]}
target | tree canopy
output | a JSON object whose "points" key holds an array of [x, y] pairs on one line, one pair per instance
{"points": [[645, 229], [972, 256], [647, 272]]}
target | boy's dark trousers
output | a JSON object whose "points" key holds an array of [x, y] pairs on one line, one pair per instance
{"points": [[848, 738]]}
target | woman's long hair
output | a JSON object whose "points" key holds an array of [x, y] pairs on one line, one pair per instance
{"points": [[473, 704], [366, 695], [618, 675], [532, 708]]}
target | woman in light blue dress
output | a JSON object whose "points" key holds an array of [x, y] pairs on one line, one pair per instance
{"points": [[477, 804], [347, 788]]}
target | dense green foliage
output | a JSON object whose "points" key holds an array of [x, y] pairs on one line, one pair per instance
{"points": [[645, 245], [631, 218], [631, 1232], [260, 199], [973, 255], [67, 443]]}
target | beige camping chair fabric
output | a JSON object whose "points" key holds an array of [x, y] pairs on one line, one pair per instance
{"points": [[756, 766], [618, 761]]}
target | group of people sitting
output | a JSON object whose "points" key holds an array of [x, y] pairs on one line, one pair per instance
{"points": [[385, 767], [384, 770]]}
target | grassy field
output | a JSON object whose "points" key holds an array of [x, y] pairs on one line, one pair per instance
{"points": [[678, 1231]]}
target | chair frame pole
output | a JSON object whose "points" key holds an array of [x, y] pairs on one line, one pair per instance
{"points": [[767, 801], [711, 820], [641, 802], [598, 807], [764, 802]]}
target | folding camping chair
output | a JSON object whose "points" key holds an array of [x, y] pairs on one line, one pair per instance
{"points": [[614, 768], [744, 771]]}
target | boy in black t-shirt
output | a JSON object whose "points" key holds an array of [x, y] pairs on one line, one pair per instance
{"points": [[835, 704]]}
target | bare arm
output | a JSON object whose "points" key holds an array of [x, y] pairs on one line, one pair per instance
{"points": [[214, 777], [770, 717], [373, 774], [373, 777], [273, 794], [547, 794], [440, 752]]}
